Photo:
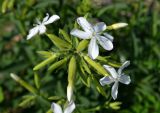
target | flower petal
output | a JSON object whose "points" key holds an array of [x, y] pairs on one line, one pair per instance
{"points": [[80, 34], [51, 19], [124, 65], [56, 108], [45, 18], [99, 27], [125, 79], [110, 37], [106, 80], [93, 49], [42, 29], [84, 24], [111, 70], [70, 108], [115, 90], [32, 32], [105, 43]]}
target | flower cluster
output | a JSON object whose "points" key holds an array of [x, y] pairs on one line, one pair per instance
{"points": [[98, 36]]}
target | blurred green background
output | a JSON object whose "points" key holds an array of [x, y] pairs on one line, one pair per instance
{"points": [[139, 43]]}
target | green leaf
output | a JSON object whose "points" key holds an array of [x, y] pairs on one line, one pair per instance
{"points": [[57, 64], [45, 62], [82, 45], [99, 87], [85, 78], [1, 94], [4, 6], [85, 66], [28, 100], [45, 54], [54, 98], [65, 35], [61, 44], [11, 4], [86, 15], [115, 105], [23, 83], [114, 64], [105, 60], [96, 66], [37, 80]]}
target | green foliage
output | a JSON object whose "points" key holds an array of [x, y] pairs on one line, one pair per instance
{"points": [[1, 95], [139, 43]]}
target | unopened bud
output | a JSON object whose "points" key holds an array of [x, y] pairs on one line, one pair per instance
{"points": [[117, 26]]}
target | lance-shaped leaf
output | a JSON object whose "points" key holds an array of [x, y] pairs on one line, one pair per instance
{"points": [[23, 83], [115, 105], [1, 94], [45, 62], [85, 78], [4, 6], [37, 80], [106, 60], [71, 76], [103, 59], [96, 66], [61, 44], [57, 64], [65, 35], [82, 45], [45, 54], [54, 98], [114, 64], [27, 101], [85, 66], [98, 86]]}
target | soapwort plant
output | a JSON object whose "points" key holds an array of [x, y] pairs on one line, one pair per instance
{"points": [[79, 52]]}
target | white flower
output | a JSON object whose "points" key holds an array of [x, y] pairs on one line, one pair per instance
{"points": [[93, 33], [57, 108], [40, 26], [115, 77]]}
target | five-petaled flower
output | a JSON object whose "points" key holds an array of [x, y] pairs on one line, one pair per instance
{"points": [[40, 26], [115, 77], [93, 33], [69, 108]]}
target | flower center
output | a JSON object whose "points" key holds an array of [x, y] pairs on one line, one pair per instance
{"points": [[94, 34], [117, 79]]}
